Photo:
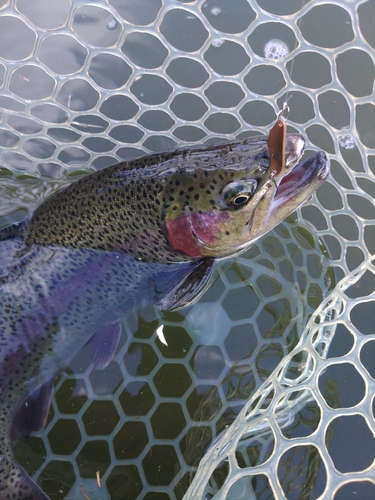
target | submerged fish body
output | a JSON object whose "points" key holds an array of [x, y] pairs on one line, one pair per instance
{"points": [[137, 232]]}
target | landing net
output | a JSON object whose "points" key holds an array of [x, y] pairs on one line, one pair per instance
{"points": [[290, 414]]}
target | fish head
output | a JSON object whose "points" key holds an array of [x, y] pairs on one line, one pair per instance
{"points": [[218, 204], [298, 185]]}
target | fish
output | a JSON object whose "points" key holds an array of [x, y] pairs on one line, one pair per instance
{"points": [[145, 231]]}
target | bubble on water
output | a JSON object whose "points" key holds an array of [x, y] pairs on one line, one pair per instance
{"points": [[217, 43], [215, 11], [112, 24], [275, 49], [346, 141]]}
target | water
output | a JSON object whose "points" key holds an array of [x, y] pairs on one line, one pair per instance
{"points": [[146, 77]]}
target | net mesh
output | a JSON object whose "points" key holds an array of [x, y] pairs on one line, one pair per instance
{"points": [[274, 412], [275, 417]]}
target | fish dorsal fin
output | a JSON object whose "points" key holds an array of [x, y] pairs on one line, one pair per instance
{"points": [[104, 345], [187, 287]]}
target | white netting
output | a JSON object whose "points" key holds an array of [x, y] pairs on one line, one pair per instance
{"points": [[296, 383], [85, 84]]}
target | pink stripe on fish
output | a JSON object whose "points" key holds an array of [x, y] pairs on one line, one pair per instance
{"points": [[189, 233]]}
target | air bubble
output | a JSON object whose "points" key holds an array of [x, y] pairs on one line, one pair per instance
{"points": [[346, 141], [275, 49], [112, 24], [217, 43], [215, 11]]}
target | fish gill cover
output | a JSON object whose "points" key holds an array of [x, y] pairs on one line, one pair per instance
{"points": [[275, 407]]}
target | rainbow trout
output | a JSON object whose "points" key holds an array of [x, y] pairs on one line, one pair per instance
{"points": [[138, 232]]}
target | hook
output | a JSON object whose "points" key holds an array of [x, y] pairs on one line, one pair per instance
{"points": [[285, 109]]}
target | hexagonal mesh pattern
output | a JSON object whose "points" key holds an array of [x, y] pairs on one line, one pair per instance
{"points": [[84, 85]]}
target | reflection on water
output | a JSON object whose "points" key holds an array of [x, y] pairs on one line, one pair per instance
{"points": [[131, 62]]}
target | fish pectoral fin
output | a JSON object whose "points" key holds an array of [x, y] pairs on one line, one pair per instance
{"points": [[189, 287], [32, 415], [104, 345]]}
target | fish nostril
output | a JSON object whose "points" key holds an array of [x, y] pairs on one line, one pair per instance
{"points": [[322, 157], [321, 160]]}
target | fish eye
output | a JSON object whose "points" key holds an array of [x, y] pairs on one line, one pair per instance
{"points": [[240, 200], [237, 194]]}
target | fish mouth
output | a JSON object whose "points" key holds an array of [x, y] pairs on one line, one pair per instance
{"points": [[295, 188], [302, 180]]}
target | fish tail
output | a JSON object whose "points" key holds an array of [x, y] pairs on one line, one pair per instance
{"points": [[15, 483]]}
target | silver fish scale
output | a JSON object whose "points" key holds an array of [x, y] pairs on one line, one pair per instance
{"points": [[84, 86]]}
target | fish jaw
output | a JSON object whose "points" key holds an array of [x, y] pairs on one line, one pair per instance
{"points": [[296, 187]]}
